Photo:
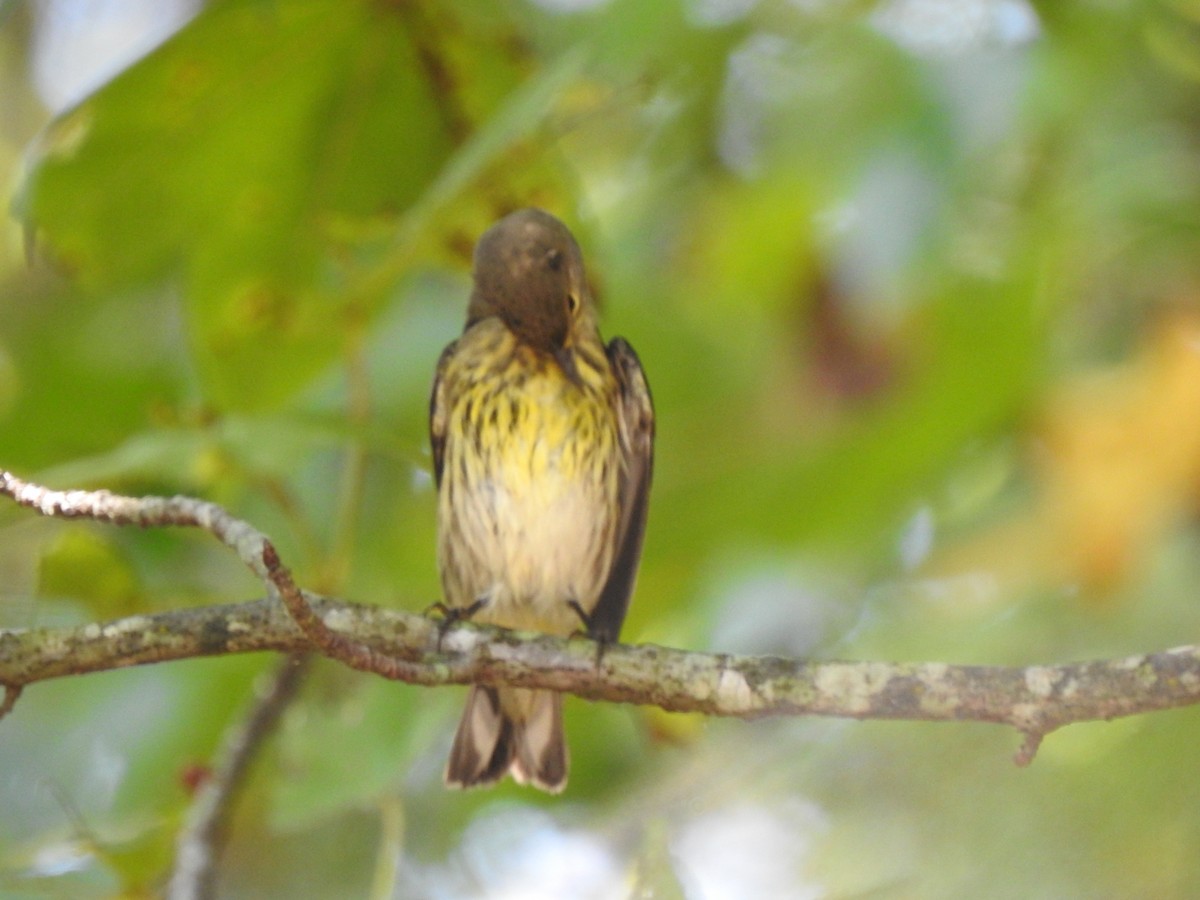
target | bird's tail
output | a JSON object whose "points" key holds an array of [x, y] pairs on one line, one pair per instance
{"points": [[509, 730]]}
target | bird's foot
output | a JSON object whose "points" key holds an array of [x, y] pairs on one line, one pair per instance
{"points": [[452, 615]]}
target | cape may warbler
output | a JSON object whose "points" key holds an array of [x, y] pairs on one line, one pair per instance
{"points": [[542, 442]]}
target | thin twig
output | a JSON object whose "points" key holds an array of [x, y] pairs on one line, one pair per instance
{"points": [[200, 844], [12, 693], [251, 546]]}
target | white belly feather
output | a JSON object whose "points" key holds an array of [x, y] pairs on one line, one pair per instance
{"points": [[538, 535], [541, 546]]}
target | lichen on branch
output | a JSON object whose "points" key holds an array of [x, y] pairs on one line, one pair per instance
{"points": [[419, 650]]}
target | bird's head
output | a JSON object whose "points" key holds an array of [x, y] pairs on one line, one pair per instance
{"points": [[529, 274]]}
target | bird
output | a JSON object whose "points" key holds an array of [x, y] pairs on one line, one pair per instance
{"points": [[542, 439]]}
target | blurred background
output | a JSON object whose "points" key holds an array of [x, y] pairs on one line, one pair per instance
{"points": [[915, 284]]}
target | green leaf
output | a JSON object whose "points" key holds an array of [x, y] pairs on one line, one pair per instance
{"points": [[85, 566], [231, 156], [380, 725]]}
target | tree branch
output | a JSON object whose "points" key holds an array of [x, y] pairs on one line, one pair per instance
{"points": [[1035, 699], [201, 841], [12, 693], [251, 546]]}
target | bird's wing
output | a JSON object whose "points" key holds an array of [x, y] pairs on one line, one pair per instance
{"points": [[439, 413], [635, 417]]}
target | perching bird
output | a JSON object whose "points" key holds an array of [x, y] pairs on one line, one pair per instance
{"points": [[542, 449]]}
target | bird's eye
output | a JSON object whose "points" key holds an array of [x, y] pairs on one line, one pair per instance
{"points": [[572, 303]]}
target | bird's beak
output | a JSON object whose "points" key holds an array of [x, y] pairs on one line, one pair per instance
{"points": [[565, 357]]}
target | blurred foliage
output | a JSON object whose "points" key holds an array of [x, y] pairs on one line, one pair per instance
{"points": [[915, 284]]}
